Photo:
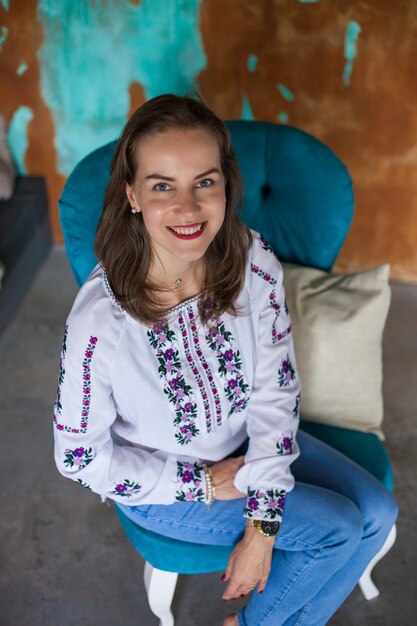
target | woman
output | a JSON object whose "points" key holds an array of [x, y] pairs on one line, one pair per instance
{"points": [[178, 385]]}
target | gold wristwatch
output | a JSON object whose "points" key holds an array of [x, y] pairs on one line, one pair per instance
{"points": [[265, 527]]}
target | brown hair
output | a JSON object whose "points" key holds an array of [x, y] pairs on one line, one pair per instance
{"points": [[122, 243]]}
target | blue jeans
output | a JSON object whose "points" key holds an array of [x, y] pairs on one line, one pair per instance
{"points": [[336, 519]]}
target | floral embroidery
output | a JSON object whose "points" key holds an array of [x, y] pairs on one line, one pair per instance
{"points": [[80, 457], [86, 402], [265, 245], [205, 366], [87, 383], [264, 275], [265, 504], [286, 373], [61, 375], [126, 489], [273, 302], [278, 336], [164, 342], [284, 444], [82, 483], [296, 409], [221, 342], [190, 482]]}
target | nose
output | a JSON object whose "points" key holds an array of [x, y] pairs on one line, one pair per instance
{"points": [[188, 204]]}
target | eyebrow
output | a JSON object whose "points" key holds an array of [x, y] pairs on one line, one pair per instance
{"points": [[212, 170]]}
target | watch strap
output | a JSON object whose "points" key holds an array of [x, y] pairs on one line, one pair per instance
{"points": [[264, 527]]}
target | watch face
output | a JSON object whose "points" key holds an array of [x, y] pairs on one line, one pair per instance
{"points": [[270, 528]]}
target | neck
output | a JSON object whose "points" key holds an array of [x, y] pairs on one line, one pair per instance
{"points": [[184, 279]]}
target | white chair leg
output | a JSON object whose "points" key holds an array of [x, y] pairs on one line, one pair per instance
{"points": [[160, 588], [366, 584]]}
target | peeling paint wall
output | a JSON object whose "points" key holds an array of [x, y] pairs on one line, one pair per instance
{"points": [[341, 71], [90, 57], [18, 139]]}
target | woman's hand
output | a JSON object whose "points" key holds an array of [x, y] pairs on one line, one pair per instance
{"points": [[223, 476], [249, 564]]}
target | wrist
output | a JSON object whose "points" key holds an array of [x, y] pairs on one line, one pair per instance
{"points": [[210, 486], [251, 534]]}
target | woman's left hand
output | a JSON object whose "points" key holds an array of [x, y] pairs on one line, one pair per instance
{"points": [[249, 564]]}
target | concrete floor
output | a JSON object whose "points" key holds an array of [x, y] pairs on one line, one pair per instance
{"points": [[64, 560]]}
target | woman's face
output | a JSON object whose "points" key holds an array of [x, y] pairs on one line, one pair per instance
{"points": [[180, 190]]}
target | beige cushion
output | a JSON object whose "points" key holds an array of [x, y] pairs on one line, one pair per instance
{"points": [[338, 323]]}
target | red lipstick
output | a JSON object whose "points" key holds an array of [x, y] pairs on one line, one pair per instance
{"points": [[193, 235]]}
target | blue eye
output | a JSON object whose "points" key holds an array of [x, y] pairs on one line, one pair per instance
{"points": [[206, 182], [161, 187]]}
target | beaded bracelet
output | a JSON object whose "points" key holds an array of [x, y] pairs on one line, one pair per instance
{"points": [[210, 487]]}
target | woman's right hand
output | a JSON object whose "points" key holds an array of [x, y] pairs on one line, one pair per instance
{"points": [[223, 476]]}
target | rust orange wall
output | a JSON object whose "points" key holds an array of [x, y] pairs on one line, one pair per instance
{"points": [[22, 43], [369, 121]]}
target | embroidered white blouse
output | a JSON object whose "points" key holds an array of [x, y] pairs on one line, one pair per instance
{"points": [[139, 410]]}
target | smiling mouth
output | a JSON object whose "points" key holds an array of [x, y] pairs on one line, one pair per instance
{"points": [[191, 231]]}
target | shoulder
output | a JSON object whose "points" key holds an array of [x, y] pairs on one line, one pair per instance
{"points": [[95, 312], [263, 269]]}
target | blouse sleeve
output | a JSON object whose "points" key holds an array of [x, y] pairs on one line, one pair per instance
{"points": [[273, 410], [85, 411]]}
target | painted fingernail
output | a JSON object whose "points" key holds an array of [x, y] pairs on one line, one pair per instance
{"points": [[261, 591], [223, 577], [242, 595]]}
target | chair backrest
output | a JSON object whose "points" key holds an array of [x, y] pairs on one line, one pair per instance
{"points": [[298, 194]]}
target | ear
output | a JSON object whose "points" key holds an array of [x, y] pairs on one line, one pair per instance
{"points": [[135, 208]]}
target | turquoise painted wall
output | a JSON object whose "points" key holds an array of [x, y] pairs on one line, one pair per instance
{"points": [[90, 57], [17, 137]]}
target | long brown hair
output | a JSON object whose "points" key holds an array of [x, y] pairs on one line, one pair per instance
{"points": [[122, 243]]}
